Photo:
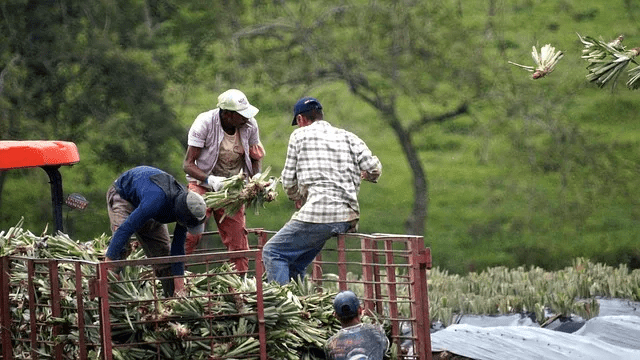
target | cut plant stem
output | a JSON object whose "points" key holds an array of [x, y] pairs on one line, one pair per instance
{"points": [[545, 62]]}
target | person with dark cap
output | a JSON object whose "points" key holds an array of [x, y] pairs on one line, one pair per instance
{"points": [[356, 340], [143, 200], [223, 142], [322, 175]]}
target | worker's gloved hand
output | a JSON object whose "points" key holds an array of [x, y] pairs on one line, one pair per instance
{"points": [[215, 182]]}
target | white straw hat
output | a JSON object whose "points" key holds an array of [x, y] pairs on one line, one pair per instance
{"points": [[235, 100]]}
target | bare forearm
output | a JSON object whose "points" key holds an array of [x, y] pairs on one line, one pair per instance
{"points": [[189, 164], [194, 171]]}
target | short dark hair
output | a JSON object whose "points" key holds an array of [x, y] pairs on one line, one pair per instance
{"points": [[347, 318], [313, 115]]}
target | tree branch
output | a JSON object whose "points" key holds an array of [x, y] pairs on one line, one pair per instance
{"points": [[262, 30], [462, 109]]}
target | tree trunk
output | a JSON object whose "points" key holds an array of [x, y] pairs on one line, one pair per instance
{"points": [[416, 222]]}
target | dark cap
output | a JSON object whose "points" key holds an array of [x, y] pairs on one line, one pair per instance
{"points": [[346, 304], [303, 105]]}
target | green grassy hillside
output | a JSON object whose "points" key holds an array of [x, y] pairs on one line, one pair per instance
{"points": [[538, 172]]}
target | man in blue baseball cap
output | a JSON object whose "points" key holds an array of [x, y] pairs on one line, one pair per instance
{"points": [[322, 174], [356, 340], [303, 106]]}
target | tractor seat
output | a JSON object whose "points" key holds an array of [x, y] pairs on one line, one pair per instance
{"points": [[37, 153], [49, 155]]}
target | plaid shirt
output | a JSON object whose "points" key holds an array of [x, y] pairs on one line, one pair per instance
{"points": [[323, 169]]}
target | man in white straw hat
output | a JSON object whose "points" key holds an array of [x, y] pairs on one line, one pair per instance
{"points": [[222, 142]]}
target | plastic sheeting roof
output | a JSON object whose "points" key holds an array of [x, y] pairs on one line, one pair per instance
{"points": [[622, 330], [615, 334]]}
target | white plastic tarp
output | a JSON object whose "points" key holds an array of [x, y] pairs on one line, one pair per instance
{"points": [[525, 343], [614, 334], [621, 330]]}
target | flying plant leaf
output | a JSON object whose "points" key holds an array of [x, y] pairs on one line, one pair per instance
{"points": [[608, 60], [634, 78], [545, 61]]}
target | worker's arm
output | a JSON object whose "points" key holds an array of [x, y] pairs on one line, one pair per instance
{"points": [[294, 191], [189, 164], [370, 165], [256, 150], [177, 249], [256, 153]]}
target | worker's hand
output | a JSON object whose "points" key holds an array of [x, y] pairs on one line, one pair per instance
{"points": [[178, 285], [215, 182], [117, 272], [371, 176]]}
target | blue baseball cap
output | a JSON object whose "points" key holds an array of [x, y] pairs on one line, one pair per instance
{"points": [[303, 105], [346, 304]]}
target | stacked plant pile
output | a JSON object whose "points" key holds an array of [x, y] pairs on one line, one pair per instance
{"points": [[21, 245], [216, 320], [533, 291], [239, 190]]}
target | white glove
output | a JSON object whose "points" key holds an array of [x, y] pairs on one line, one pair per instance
{"points": [[215, 182]]}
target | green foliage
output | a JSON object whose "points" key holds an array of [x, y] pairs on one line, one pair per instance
{"points": [[78, 73], [75, 77]]}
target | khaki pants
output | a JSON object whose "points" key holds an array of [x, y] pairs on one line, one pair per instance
{"points": [[153, 236]]}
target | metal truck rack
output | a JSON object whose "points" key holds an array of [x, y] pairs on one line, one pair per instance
{"points": [[76, 314], [392, 287]]}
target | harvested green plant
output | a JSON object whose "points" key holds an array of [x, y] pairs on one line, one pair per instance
{"points": [[238, 190], [219, 314], [608, 60], [217, 318]]}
